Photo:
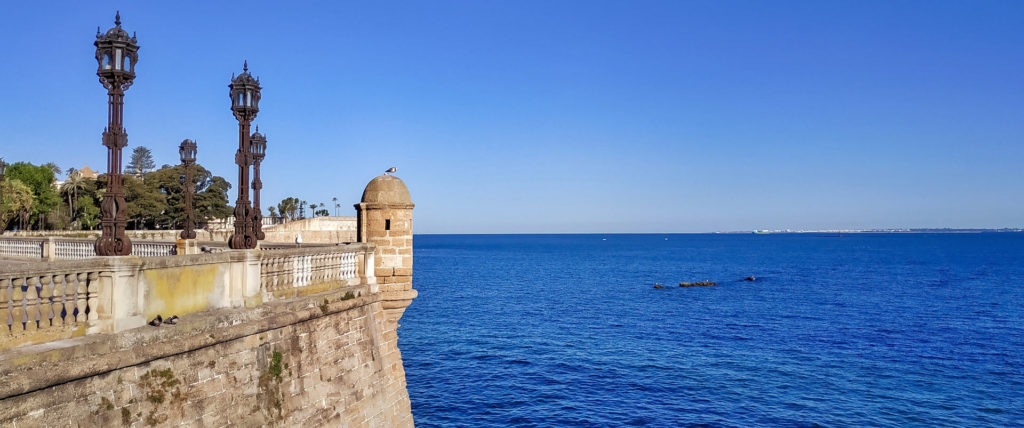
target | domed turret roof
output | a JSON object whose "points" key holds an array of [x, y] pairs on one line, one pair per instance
{"points": [[386, 189]]}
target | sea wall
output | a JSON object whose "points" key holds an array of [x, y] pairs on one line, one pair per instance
{"points": [[329, 359]]}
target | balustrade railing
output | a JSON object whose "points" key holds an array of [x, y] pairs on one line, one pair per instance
{"points": [[285, 272], [74, 249], [43, 301], [46, 304], [21, 248], [153, 249]]}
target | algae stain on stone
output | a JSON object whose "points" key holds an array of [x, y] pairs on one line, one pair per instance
{"points": [[179, 291]]}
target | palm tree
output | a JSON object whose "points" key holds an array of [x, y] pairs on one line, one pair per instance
{"points": [[336, 205], [70, 189]]}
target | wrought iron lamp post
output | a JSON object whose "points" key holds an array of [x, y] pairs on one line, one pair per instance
{"points": [[245, 101], [187, 151], [259, 151], [116, 55]]}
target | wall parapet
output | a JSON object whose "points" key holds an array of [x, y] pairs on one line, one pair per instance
{"points": [[46, 301]]}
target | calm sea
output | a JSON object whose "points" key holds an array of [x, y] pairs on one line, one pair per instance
{"points": [[567, 330]]}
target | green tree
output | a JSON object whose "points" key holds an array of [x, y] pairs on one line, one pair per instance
{"points": [[141, 161], [336, 205], [15, 200], [209, 201], [288, 207], [74, 184], [146, 202], [40, 179], [53, 167], [88, 212]]}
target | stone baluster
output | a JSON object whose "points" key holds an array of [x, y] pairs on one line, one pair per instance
{"points": [[31, 304], [93, 289], [70, 286], [45, 301], [275, 273], [264, 280], [316, 268], [5, 306], [307, 270], [58, 300], [280, 273], [80, 297], [18, 306]]}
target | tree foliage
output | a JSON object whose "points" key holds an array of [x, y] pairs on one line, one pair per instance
{"points": [[155, 199], [15, 200], [288, 207], [141, 161], [40, 180]]}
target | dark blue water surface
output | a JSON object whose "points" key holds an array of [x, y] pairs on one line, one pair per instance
{"points": [[865, 329]]}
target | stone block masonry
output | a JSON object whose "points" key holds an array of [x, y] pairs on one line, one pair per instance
{"points": [[329, 359]]}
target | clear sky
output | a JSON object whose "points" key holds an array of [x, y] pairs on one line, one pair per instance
{"points": [[562, 116]]}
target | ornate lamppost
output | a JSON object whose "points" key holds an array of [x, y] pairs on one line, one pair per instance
{"points": [[259, 151], [116, 55], [245, 101], [187, 151]]}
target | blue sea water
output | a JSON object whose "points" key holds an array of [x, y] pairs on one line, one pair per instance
{"points": [[858, 330]]}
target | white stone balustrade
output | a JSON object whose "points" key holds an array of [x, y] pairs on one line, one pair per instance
{"points": [[153, 249], [21, 248], [297, 271], [74, 250], [53, 248]]}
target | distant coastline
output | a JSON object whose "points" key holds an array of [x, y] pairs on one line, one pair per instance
{"points": [[907, 230]]}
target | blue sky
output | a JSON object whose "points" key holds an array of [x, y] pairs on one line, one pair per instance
{"points": [[559, 116]]}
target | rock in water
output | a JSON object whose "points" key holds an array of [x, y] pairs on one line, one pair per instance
{"points": [[697, 284], [659, 286], [749, 278]]}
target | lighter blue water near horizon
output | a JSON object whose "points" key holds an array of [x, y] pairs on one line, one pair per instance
{"points": [[863, 329]]}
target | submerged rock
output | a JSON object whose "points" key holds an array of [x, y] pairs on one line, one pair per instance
{"points": [[697, 284], [659, 286]]}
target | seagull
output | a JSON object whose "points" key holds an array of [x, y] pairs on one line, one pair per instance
{"points": [[391, 170]]}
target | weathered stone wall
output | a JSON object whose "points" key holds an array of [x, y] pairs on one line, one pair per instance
{"points": [[325, 360]]}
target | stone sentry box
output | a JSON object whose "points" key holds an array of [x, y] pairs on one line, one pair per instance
{"points": [[385, 220]]}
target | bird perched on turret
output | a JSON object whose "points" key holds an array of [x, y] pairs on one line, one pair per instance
{"points": [[391, 170]]}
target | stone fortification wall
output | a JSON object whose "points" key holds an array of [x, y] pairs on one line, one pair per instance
{"points": [[316, 230], [324, 360]]}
